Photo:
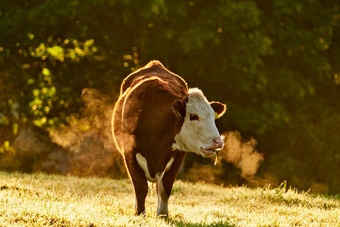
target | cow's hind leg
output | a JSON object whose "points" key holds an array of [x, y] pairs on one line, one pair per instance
{"points": [[139, 182], [164, 186]]}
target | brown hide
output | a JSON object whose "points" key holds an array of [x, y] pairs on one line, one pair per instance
{"points": [[145, 108], [155, 68], [146, 119]]}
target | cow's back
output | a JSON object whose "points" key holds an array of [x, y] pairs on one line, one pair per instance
{"points": [[143, 115], [156, 69]]}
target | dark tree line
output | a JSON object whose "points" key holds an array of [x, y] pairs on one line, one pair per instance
{"points": [[275, 63]]}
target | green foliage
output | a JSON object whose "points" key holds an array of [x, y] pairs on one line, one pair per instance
{"points": [[275, 63]]}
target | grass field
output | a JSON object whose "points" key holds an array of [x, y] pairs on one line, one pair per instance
{"points": [[51, 200]]}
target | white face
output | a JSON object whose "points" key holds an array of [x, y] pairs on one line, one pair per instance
{"points": [[199, 133]]}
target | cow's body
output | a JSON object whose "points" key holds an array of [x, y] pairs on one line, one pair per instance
{"points": [[148, 128]]}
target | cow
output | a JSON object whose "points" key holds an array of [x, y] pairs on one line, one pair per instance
{"points": [[156, 120]]}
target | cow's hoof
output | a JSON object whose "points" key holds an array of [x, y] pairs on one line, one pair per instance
{"points": [[143, 213], [162, 216]]}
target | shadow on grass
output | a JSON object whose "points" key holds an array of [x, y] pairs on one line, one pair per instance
{"points": [[189, 224]]}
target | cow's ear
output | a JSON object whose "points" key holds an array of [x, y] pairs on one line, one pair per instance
{"points": [[219, 108], [179, 107]]}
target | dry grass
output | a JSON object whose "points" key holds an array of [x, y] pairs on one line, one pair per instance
{"points": [[51, 200]]}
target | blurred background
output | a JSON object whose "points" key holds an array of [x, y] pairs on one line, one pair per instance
{"points": [[276, 63]]}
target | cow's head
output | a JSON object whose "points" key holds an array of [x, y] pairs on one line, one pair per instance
{"points": [[199, 133]]}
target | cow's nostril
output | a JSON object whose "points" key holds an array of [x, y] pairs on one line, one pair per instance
{"points": [[218, 141]]}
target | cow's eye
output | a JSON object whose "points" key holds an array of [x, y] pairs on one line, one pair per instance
{"points": [[194, 117]]}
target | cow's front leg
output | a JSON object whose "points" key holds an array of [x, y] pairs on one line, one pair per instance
{"points": [[163, 198], [164, 186], [139, 182]]}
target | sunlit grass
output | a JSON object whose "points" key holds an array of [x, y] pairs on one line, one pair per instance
{"points": [[39, 199]]}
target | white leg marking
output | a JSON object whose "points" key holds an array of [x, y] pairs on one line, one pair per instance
{"points": [[144, 165], [168, 165], [162, 208]]}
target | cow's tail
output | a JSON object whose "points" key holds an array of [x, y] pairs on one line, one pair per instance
{"points": [[116, 124], [123, 124]]}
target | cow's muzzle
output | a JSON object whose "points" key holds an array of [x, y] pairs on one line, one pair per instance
{"points": [[217, 144], [207, 153]]}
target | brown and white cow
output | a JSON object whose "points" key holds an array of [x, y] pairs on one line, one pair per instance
{"points": [[155, 121]]}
